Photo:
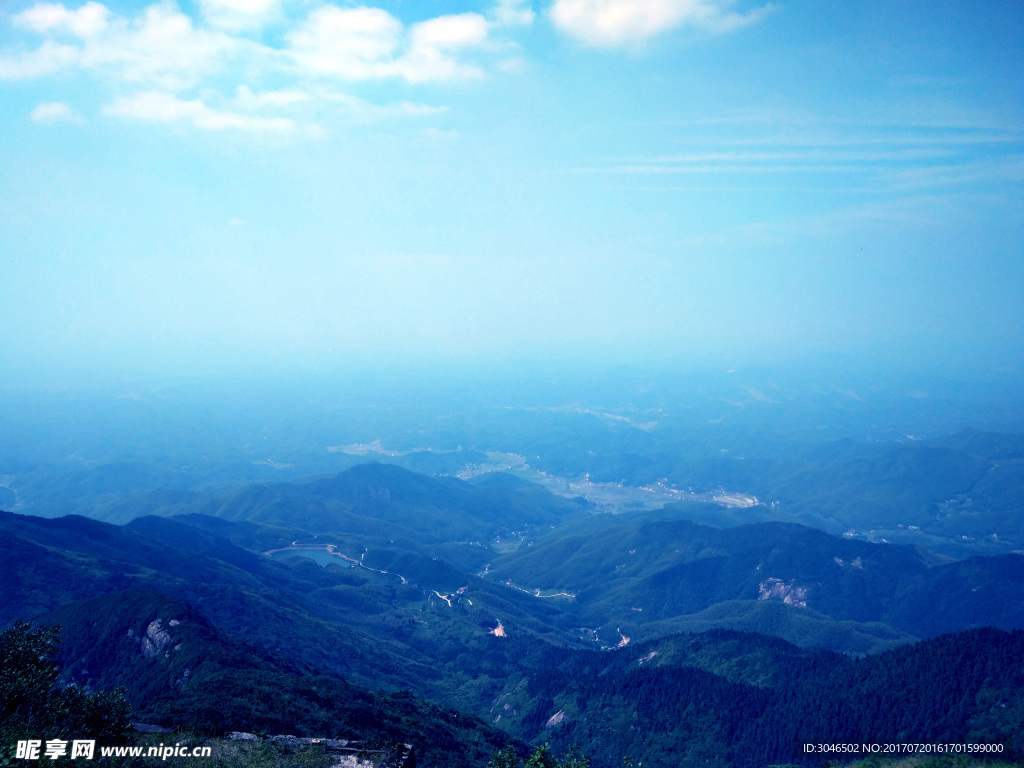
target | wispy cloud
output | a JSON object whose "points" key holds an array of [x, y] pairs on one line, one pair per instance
{"points": [[809, 155], [616, 23], [1008, 168], [920, 212], [512, 13], [55, 112], [865, 159], [248, 100], [907, 136], [154, 106], [360, 109]]}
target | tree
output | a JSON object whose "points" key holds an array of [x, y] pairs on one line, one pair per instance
{"points": [[505, 758], [32, 706], [541, 758], [574, 758]]}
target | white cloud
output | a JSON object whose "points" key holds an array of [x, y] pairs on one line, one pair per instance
{"points": [[246, 99], [450, 33], [434, 45], [49, 58], [612, 23], [89, 20], [158, 107], [55, 112], [361, 109], [239, 15], [160, 47], [514, 65], [512, 13], [350, 43], [409, 108], [439, 134], [211, 71], [237, 113], [367, 44]]}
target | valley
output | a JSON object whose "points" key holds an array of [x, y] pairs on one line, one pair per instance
{"points": [[617, 584], [406, 609]]}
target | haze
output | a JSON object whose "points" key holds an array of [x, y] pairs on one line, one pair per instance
{"points": [[217, 186]]}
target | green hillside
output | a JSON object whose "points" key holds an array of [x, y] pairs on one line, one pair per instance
{"points": [[425, 608]]}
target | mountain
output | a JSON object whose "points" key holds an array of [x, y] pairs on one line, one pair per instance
{"points": [[692, 700], [414, 598], [385, 500], [179, 670], [640, 575]]}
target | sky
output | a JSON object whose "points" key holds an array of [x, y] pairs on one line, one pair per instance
{"points": [[215, 185]]}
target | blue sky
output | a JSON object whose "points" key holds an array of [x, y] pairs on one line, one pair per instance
{"points": [[225, 184]]}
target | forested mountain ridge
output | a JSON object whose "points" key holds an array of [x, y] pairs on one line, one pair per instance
{"points": [[634, 572], [720, 698], [639, 574], [961, 688], [179, 670], [447, 605]]}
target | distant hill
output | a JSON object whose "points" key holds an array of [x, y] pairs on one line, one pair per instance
{"points": [[798, 453], [382, 499], [414, 598], [634, 574]]}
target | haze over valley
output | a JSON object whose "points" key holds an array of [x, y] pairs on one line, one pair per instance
{"points": [[467, 542]]}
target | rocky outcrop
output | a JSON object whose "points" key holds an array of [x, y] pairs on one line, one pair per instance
{"points": [[155, 640], [556, 718], [855, 563], [787, 592]]}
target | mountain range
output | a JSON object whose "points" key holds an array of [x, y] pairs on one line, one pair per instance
{"points": [[460, 616]]}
